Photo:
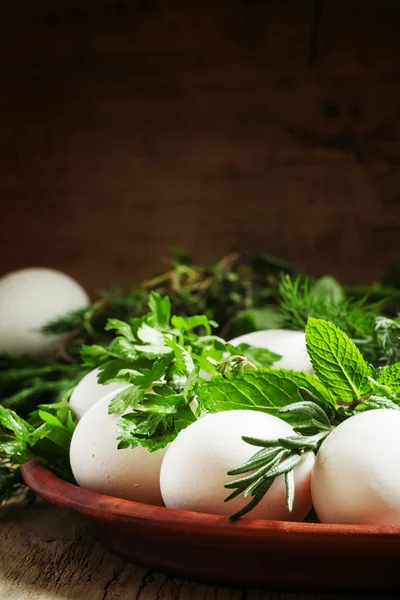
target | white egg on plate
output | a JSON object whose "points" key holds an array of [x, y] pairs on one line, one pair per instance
{"points": [[98, 465], [291, 345], [356, 475], [89, 391], [194, 470], [29, 299]]}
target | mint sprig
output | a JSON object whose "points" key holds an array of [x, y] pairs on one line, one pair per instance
{"points": [[264, 390], [390, 376], [337, 360]]}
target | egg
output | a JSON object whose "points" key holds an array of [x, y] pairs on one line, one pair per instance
{"points": [[29, 299], [291, 345], [356, 475], [98, 465], [195, 467], [88, 391]]}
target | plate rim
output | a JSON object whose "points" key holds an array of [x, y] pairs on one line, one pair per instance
{"points": [[55, 490]]}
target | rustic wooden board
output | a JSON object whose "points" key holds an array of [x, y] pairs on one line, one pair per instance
{"points": [[48, 554], [129, 127]]}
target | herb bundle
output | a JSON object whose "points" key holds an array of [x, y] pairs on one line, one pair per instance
{"points": [[162, 353]]}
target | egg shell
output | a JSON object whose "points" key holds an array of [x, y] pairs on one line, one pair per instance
{"points": [[356, 476], [291, 345], [98, 465], [89, 391], [195, 466], [29, 299]]}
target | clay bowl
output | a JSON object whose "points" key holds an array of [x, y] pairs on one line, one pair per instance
{"points": [[247, 553]]}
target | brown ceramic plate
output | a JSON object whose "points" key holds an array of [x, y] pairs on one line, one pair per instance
{"points": [[247, 553]]}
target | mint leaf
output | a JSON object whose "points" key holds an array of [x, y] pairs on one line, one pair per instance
{"points": [[131, 396], [337, 360], [160, 308], [264, 390], [121, 328], [260, 357], [390, 376]]}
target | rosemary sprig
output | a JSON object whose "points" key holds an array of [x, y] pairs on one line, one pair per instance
{"points": [[280, 456]]}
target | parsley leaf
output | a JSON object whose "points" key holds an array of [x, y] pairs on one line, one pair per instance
{"points": [[160, 308], [122, 328], [131, 396]]}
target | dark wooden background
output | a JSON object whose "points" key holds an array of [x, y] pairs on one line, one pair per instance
{"points": [[130, 127]]}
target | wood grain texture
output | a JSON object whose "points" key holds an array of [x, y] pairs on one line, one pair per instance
{"points": [[129, 127], [48, 554]]}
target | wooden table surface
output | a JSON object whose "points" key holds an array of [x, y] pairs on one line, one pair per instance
{"points": [[48, 554]]}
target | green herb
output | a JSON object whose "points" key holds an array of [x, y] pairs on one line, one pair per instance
{"points": [[336, 360], [161, 357], [265, 390], [278, 457], [241, 294], [347, 378], [390, 376], [260, 357], [46, 437]]}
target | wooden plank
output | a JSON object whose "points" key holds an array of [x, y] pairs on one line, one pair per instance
{"points": [[48, 554]]}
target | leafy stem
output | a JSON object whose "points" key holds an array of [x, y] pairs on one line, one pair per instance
{"points": [[279, 456], [236, 362]]}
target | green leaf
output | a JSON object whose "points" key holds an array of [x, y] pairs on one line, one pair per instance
{"points": [[148, 376], [327, 289], [183, 361], [93, 356], [155, 428], [112, 370], [121, 328], [160, 308], [51, 420], [260, 357], [390, 376], [121, 348], [152, 350], [189, 323], [337, 360], [11, 421], [150, 335], [130, 397], [264, 390]]}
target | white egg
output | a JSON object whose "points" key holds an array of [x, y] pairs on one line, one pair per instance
{"points": [[195, 466], [98, 465], [88, 391], [356, 475], [291, 345], [28, 300]]}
